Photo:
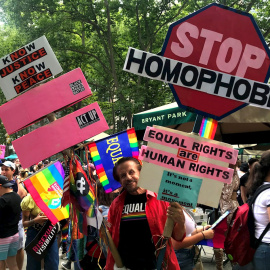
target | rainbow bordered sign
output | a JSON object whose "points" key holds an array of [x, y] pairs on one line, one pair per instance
{"points": [[46, 189], [106, 152]]}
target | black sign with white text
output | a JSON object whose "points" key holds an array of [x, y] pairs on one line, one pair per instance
{"points": [[87, 118], [43, 241]]}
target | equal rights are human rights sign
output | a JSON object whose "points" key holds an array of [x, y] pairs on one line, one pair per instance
{"points": [[176, 162]]}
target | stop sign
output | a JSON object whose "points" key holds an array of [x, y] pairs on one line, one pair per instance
{"points": [[221, 39]]}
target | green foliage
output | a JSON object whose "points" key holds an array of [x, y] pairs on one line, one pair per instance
{"points": [[95, 36]]}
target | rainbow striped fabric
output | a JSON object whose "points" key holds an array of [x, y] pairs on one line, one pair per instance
{"points": [[78, 180], [46, 189], [65, 233], [106, 152], [134, 216], [208, 128]]}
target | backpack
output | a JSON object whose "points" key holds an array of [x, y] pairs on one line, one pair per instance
{"points": [[240, 243]]}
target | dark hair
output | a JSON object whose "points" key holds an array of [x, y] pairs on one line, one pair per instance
{"points": [[103, 197], [258, 172], [39, 165], [123, 160], [244, 167], [252, 160], [16, 171]]}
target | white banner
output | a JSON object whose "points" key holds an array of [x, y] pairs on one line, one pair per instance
{"points": [[201, 79]]}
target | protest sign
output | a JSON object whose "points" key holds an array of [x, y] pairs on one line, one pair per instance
{"points": [[179, 188], [189, 155], [2, 151], [50, 97], [202, 53], [106, 152], [197, 78], [39, 247], [171, 160], [46, 189], [60, 135], [27, 66], [222, 39]]}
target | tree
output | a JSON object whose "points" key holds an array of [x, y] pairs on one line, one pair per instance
{"points": [[95, 35]]}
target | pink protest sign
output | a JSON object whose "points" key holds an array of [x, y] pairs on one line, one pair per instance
{"points": [[2, 151], [52, 96], [60, 135], [191, 165], [201, 146]]}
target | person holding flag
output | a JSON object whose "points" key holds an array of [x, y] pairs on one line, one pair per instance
{"points": [[137, 221], [10, 213], [33, 220]]}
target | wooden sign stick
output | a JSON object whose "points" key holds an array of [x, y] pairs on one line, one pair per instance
{"points": [[167, 233], [107, 238]]}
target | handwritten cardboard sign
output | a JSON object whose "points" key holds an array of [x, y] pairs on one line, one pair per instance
{"points": [[50, 97], [27, 66], [179, 188], [190, 155], [60, 135]]}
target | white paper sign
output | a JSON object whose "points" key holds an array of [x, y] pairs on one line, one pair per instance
{"points": [[27, 66]]}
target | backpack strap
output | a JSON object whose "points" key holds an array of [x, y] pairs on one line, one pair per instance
{"points": [[252, 201], [257, 193], [263, 233]]}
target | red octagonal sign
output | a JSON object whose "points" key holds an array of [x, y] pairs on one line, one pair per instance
{"points": [[221, 39]]}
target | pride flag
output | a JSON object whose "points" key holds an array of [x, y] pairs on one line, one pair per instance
{"points": [[106, 152], [208, 128], [81, 189], [46, 189]]}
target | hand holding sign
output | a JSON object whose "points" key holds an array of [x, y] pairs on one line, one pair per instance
{"points": [[40, 218], [175, 212]]}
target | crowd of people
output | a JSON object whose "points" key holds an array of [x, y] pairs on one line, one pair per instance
{"points": [[135, 219]]}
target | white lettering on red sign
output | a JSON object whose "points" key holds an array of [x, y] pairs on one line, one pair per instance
{"points": [[244, 55]]}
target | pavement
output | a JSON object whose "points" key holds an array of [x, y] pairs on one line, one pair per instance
{"points": [[207, 257]]}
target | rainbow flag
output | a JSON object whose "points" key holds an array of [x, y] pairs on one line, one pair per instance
{"points": [[46, 189], [81, 189], [65, 233], [208, 128], [106, 152]]}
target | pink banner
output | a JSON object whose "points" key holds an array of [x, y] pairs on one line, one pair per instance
{"points": [[60, 135], [2, 151], [38, 102], [202, 147], [187, 166]]}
